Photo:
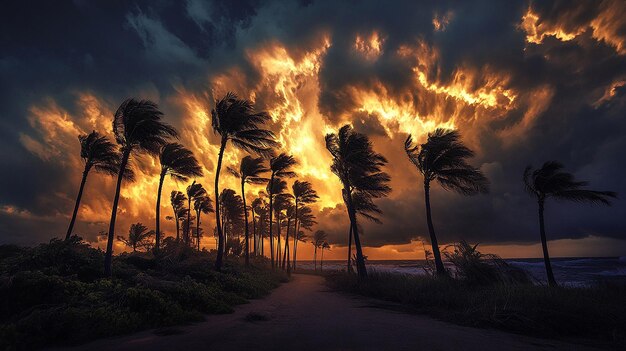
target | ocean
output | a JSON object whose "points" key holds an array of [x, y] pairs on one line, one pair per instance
{"points": [[575, 272]]}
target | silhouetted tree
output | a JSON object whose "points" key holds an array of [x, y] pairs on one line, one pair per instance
{"points": [[364, 206], [177, 199], [443, 159], [99, 153], [232, 214], [359, 169], [194, 191], [274, 187], [303, 193], [138, 128], [138, 236], [551, 181], [324, 245], [260, 208], [201, 204], [281, 168], [250, 171], [319, 237], [236, 120], [180, 164]]}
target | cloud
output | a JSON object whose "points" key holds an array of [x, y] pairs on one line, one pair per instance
{"points": [[523, 83]]}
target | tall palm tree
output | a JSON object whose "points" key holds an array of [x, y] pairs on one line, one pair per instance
{"points": [[177, 199], [260, 208], [194, 191], [275, 187], [443, 159], [281, 203], [364, 206], [236, 120], [232, 213], [281, 168], [552, 181], [319, 237], [324, 245], [201, 204], [303, 193], [138, 128], [359, 168], [99, 153], [250, 171], [138, 236], [180, 164]]}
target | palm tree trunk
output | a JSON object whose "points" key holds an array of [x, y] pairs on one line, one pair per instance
{"points": [[187, 237], [286, 244], [77, 205], [245, 215], [278, 239], [198, 228], [322, 261], [360, 260], [315, 257], [295, 235], [220, 238], [108, 256], [254, 241], [157, 238], [441, 271], [350, 251], [271, 210], [177, 227], [544, 246]]}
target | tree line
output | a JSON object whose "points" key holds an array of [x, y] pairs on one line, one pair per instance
{"points": [[443, 158]]}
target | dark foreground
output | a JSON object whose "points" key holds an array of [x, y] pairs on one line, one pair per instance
{"points": [[305, 315]]}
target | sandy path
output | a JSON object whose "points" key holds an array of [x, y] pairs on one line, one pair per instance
{"points": [[305, 315]]}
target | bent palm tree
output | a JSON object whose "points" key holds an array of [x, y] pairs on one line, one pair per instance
{"points": [[138, 236], [359, 168], [364, 206], [275, 187], [319, 237], [138, 128], [551, 181], [250, 171], [281, 168], [442, 159], [194, 191], [201, 204], [177, 200], [180, 164], [324, 245], [236, 120], [303, 193], [99, 153]]}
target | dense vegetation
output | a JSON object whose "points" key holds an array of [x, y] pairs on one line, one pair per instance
{"points": [[57, 294], [483, 291]]}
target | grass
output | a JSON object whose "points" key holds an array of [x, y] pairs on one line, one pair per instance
{"points": [[55, 295], [597, 313]]}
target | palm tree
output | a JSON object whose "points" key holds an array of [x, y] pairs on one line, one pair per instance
{"points": [[180, 164], [232, 213], [99, 153], [319, 237], [443, 159], [256, 203], [364, 206], [275, 187], [359, 169], [236, 120], [138, 128], [281, 168], [201, 204], [324, 245], [552, 181], [138, 236], [281, 203], [250, 171], [260, 208], [303, 193], [177, 199], [194, 191]]}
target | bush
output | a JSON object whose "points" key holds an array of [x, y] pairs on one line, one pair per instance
{"points": [[55, 294]]}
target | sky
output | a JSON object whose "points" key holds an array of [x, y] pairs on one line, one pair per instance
{"points": [[524, 82]]}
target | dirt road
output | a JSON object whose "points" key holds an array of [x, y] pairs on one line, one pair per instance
{"points": [[305, 315]]}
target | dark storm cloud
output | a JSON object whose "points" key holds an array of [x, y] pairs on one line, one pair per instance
{"points": [[116, 49]]}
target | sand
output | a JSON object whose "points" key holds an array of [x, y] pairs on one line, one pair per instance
{"points": [[304, 315]]}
